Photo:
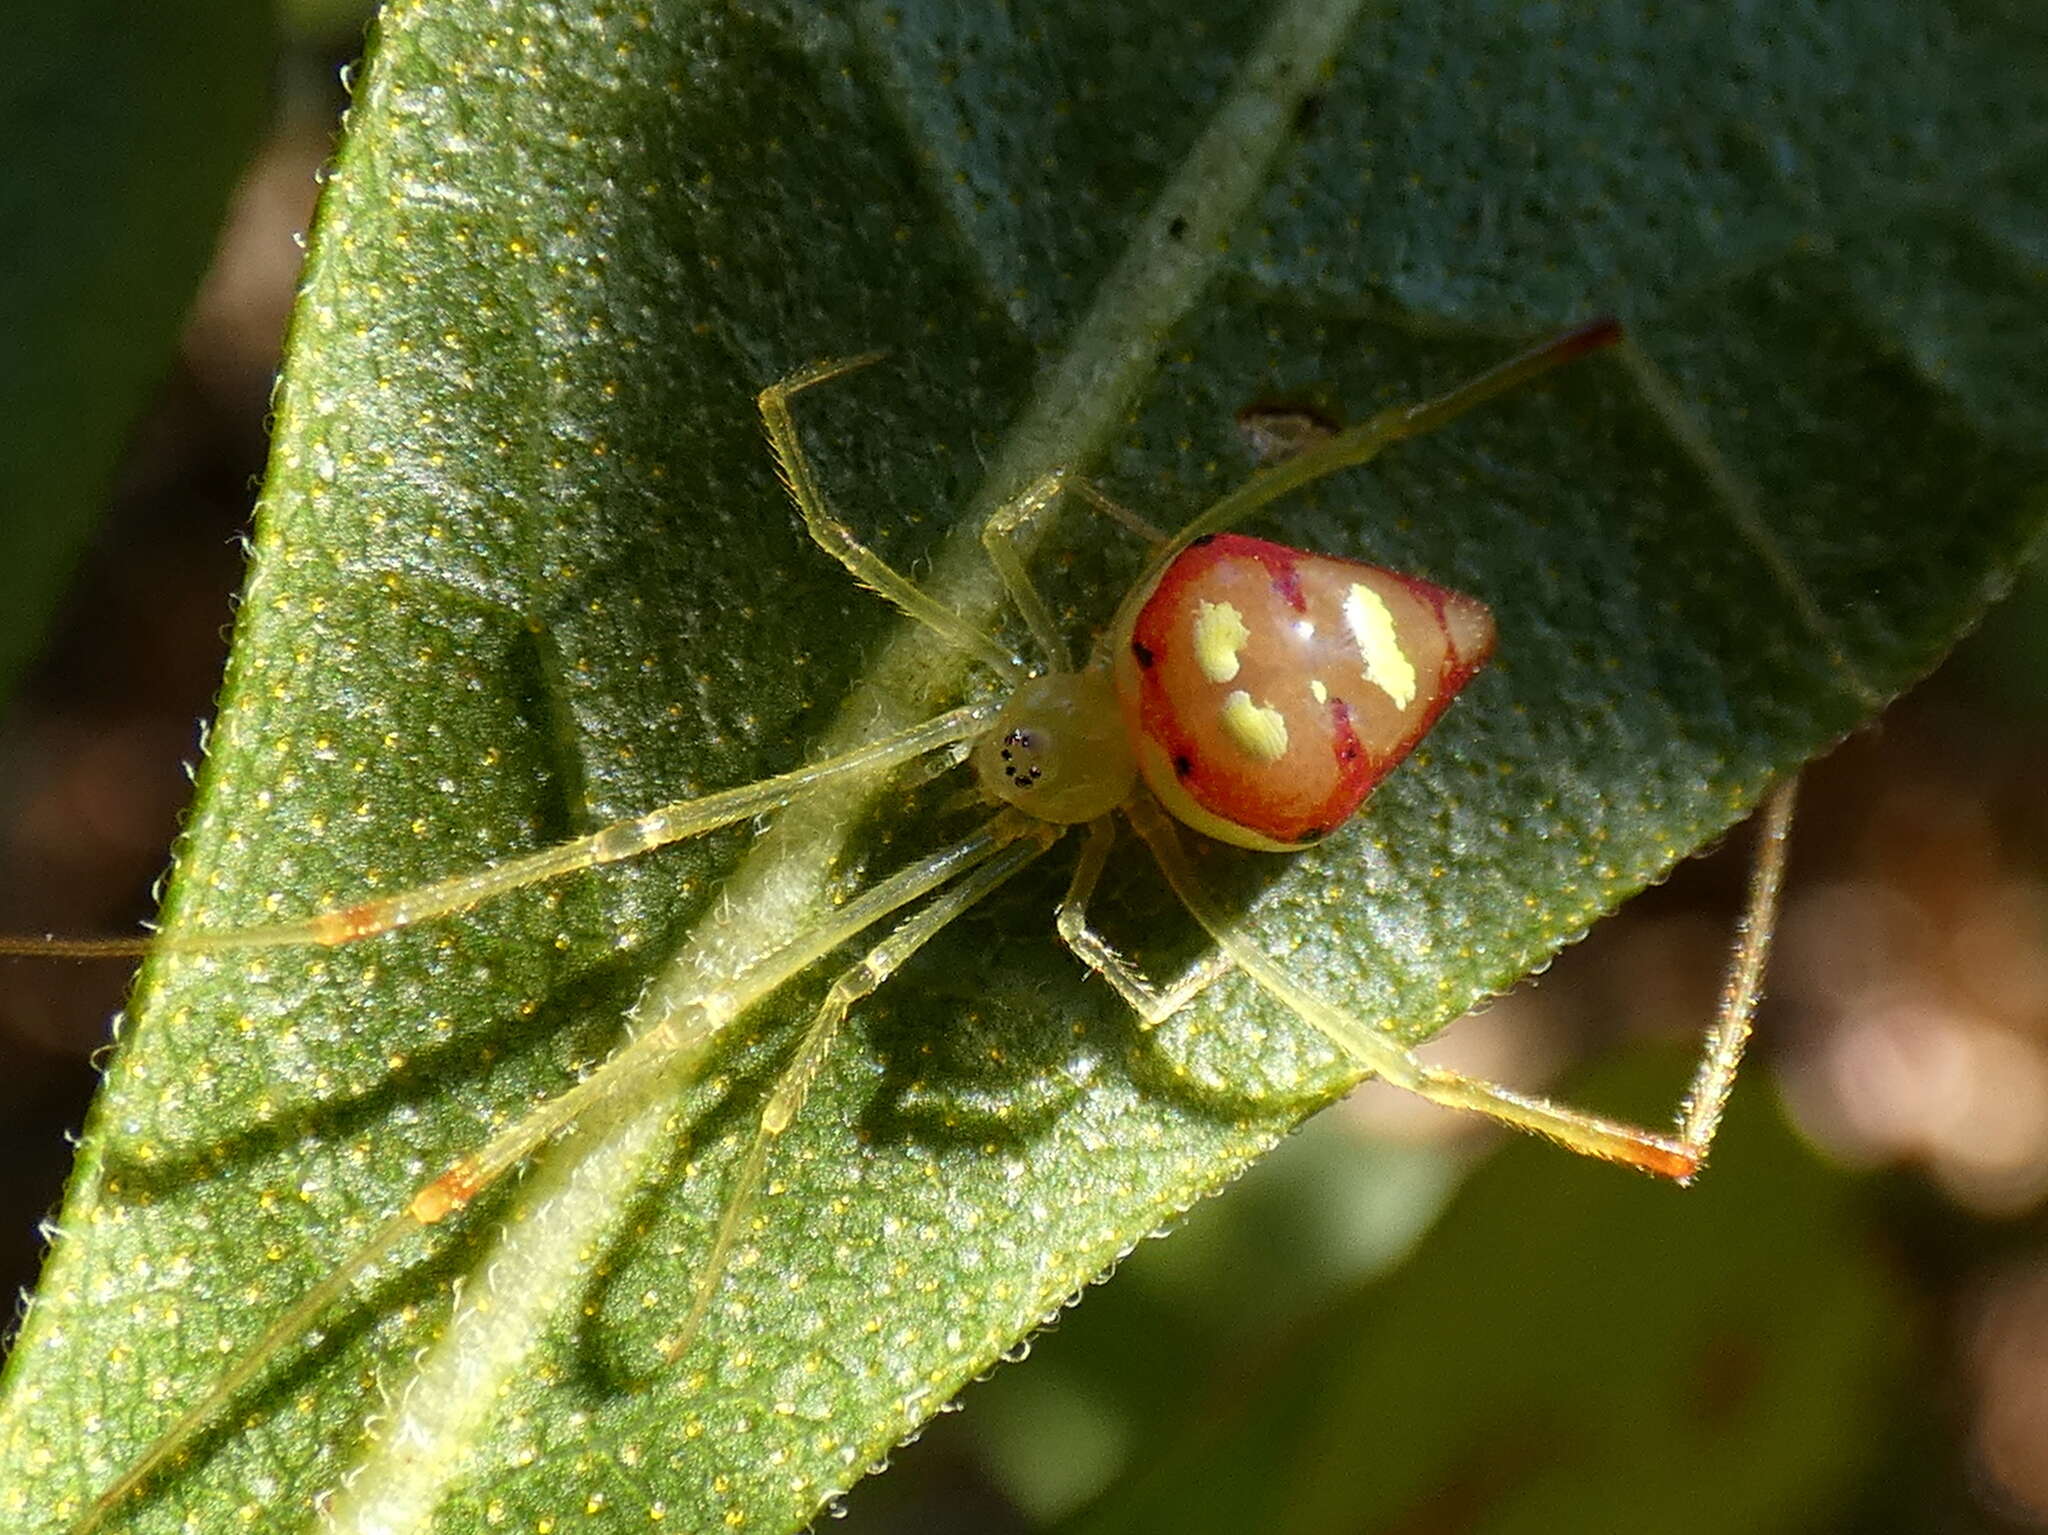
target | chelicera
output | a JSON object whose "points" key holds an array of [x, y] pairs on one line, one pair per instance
{"points": [[1244, 690]]}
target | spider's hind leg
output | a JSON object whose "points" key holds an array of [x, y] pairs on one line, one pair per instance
{"points": [[1677, 1154]]}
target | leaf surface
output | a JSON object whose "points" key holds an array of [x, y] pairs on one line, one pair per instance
{"points": [[523, 567]]}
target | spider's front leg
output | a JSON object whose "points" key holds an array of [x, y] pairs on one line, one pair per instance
{"points": [[1003, 537], [840, 541]]}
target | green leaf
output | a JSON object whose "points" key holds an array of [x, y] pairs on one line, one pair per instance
{"points": [[523, 567], [124, 134]]}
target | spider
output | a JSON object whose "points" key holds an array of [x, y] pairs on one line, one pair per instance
{"points": [[1250, 692]]}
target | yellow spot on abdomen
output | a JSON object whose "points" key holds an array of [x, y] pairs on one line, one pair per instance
{"points": [[1371, 623], [1219, 635], [1259, 730]]}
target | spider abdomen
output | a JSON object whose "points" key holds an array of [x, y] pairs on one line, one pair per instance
{"points": [[1267, 690]]}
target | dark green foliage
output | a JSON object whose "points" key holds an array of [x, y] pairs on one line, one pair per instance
{"points": [[125, 126]]}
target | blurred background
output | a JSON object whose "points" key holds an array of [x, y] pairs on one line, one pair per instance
{"points": [[1398, 1322]]}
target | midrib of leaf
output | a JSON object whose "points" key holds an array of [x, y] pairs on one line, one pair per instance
{"points": [[526, 1273]]}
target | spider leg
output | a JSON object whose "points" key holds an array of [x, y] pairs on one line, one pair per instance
{"points": [[1002, 534], [1152, 1004], [1743, 987], [838, 540], [999, 536], [1116, 511], [668, 1051], [786, 1099], [1364, 442], [1672, 1155], [625, 839]]}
